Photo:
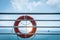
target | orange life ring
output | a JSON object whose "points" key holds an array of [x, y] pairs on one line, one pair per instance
{"points": [[20, 34]]}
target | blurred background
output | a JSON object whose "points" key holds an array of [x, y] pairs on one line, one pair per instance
{"points": [[48, 26]]}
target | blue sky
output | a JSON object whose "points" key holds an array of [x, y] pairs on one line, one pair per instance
{"points": [[39, 6], [4, 5]]}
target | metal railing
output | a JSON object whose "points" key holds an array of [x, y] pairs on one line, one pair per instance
{"points": [[47, 33]]}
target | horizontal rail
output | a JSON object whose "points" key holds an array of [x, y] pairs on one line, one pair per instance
{"points": [[30, 26], [31, 13], [48, 33], [25, 20]]}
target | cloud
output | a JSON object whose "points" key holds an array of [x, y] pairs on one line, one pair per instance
{"points": [[26, 6], [53, 3]]}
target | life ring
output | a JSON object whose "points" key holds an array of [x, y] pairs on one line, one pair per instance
{"points": [[20, 34]]}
